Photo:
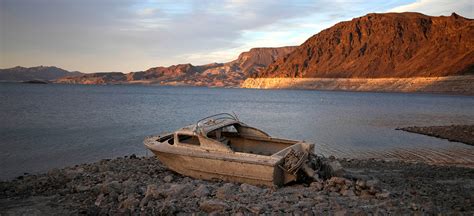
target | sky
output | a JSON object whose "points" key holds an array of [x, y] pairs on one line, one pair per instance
{"points": [[131, 35]]}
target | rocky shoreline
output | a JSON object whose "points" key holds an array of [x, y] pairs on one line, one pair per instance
{"points": [[454, 133], [142, 185]]}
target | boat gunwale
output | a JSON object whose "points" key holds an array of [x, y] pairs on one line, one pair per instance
{"points": [[270, 160]]}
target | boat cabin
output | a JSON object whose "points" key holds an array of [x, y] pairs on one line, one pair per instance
{"points": [[225, 133]]}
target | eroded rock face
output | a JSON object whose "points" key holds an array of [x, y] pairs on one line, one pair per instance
{"points": [[258, 58], [215, 74], [384, 45], [447, 85]]}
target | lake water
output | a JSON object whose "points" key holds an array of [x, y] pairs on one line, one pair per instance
{"points": [[53, 126]]}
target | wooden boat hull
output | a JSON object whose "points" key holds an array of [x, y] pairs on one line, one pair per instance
{"points": [[218, 168]]}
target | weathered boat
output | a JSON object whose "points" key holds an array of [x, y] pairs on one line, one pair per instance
{"points": [[222, 147]]}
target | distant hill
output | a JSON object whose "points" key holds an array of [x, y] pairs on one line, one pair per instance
{"points": [[215, 74], [94, 78], [398, 45], [18, 74]]}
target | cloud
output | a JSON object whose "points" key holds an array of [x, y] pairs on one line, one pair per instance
{"points": [[161, 31], [147, 12], [439, 7], [132, 35]]}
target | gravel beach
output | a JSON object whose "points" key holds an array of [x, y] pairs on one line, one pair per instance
{"points": [[142, 185], [454, 133]]}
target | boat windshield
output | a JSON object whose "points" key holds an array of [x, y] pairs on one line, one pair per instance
{"points": [[218, 117], [214, 120], [219, 134]]}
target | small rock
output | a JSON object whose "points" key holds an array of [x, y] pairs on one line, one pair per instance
{"points": [[365, 195], [361, 183], [226, 192], [103, 168], [130, 203], [320, 198], [372, 183], [338, 180], [213, 206], [347, 192], [201, 191], [414, 207], [94, 169], [113, 195], [239, 213], [99, 199], [168, 209], [304, 204], [109, 187], [179, 190], [333, 188], [335, 168], [341, 212], [73, 173], [82, 188], [152, 191], [256, 209], [246, 188], [291, 198], [54, 172], [144, 202], [317, 185], [168, 178], [383, 195], [355, 175], [129, 186], [349, 183]]}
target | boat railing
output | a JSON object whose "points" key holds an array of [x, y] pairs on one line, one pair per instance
{"points": [[214, 119]]}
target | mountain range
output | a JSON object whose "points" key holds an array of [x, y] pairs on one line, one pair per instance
{"points": [[389, 45], [230, 74], [19, 74], [381, 46]]}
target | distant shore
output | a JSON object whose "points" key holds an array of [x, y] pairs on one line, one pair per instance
{"points": [[457, 85], [142, 185], [449, 85]]}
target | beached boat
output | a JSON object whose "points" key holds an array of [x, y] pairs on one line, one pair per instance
{"points": [[222, 147]]}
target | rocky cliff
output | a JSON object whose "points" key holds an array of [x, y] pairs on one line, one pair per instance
{"points": [[447, 84], [34, 73], [216, 74], [384, 45]]}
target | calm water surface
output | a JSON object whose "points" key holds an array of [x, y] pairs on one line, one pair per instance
{"points": [[52, 126]]}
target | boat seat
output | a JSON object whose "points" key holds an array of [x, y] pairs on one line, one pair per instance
{"points": [[225, 141]]}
